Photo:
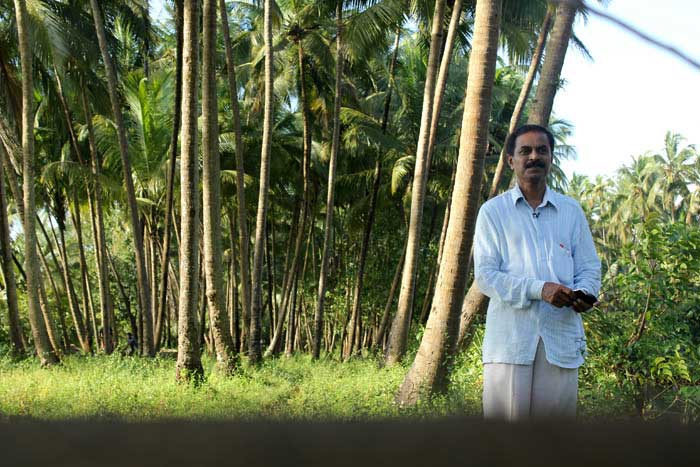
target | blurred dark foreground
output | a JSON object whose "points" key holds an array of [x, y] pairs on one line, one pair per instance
{"points": [[453, 442]]}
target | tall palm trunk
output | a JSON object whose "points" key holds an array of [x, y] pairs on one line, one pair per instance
{"points": [[8, 272], [330, 200], [291, 290], [399, 328], [522, 98], [169, 197], [11, 165], [441, 83], [255, 349], [553, 63], [46, 353], [476, 302], [243, 235], [189, 364], [430, 369], [211, 197], [375, 194], [98, 226], [136, 231]]}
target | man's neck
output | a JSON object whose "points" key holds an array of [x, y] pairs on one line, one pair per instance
{"points": [[533, 192]]}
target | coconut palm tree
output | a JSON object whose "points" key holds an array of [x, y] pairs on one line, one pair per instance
{"points": [[399, 330], [255, 348], [243, 234], [46, 353], [142, 284], [430, 368], [211, 191], [189, 364]]}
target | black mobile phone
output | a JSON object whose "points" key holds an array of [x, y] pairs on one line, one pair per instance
{"points": [[586, 297]]}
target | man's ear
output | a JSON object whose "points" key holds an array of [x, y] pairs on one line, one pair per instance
{"points": [[509, 158]]}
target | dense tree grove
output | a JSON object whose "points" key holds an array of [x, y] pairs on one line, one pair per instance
{"points": [[255, 178]]}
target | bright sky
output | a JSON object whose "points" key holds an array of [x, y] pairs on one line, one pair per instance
{"points": [[623, 102]]}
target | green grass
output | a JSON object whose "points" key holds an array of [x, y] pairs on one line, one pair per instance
{"points": [[136, 389]]}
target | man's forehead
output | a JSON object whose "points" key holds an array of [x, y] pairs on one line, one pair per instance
{"points": [[532, 138]]}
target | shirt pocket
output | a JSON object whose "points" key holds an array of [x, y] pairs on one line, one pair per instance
{"points": [[562, 263]]}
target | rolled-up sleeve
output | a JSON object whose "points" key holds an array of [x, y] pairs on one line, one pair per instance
{"points": [[586, 261], [518, 292]]}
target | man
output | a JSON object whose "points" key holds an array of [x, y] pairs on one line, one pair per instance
{"points": [[532, 250], [131, 342]]}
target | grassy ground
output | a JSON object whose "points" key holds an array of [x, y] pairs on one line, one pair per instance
{"points": [[136, 389]]}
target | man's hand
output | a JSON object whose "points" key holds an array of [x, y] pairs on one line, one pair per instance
{"points": [[559, 295]]}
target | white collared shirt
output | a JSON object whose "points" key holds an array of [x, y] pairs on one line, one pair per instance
{"points": [[516, 250]]}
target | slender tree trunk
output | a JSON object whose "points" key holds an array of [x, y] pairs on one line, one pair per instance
{"points": [[189, 364], [273, 348], [47, 355], [295, 316], [76, 314], [255, 351], [142, 280], [124, 294], [10, 163], [106, 302], [441, 83], [522, 98], [172, 162], [364, 249], [107, 321], [61, 311], [243, 235], [398, 336], [233, 279], [553, 63], [384, 323], [430, 369], [330, 200], [270, 263], [211, 197], [8, 273]]}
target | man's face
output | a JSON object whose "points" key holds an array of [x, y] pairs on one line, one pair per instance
{"points": [[532, 157]]}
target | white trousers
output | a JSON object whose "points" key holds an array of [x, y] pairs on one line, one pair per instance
{"points": [[521, 392]]}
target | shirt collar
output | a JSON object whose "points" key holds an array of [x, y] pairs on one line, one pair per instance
{"points": [[549, 196]]}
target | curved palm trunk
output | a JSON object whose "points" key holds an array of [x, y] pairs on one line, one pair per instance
{"points": [[169, 196], [522, 98], [44, 350], [142, 279], [430, 369], [540, 113], [211, 197], [189, 364], [243, 235], [399, 328], [255, 349], [330, 200], [553, 63], [8, 273]]}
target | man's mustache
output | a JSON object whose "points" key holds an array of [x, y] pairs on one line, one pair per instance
{"points": [[536, 163]]}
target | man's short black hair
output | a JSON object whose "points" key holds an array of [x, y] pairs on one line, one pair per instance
{"points": [[510, 141]]}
